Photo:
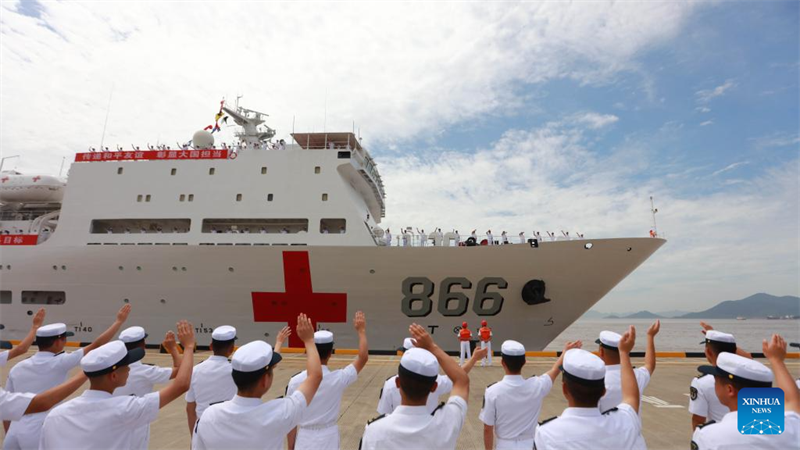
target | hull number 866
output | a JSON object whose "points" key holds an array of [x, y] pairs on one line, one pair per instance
{"points": [[418, 297]]}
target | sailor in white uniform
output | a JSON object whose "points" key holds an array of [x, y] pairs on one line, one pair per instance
{"points": [[46, 369], [703, 402], [318, 428], [99, 420], [458, 238], [411, 425], [388, 238], [245, 422], [512, 405], [522, 237], [143, 377], [734, 373], [490, 237], [582, 425], [211, 379], [609, 353], [14, 406], [504, 237], [423, 238], [390, 397]]}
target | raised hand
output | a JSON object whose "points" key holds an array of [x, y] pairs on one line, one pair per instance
{"points": [[186, 334], [654, 328], [38, 318], [627, 340], [706, 327], [571, 345], [305, 331], [123, 313], [284, 334], [169, 341], [480, 353], [775, 348], [421, 337], [360, 322]]}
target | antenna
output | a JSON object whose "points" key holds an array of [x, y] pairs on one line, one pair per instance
{"points": [[325, 120], [653, 211], [63, 158], [108, 110]]}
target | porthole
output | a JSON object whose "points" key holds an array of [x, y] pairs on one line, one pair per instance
{"points": [[230, 269], [324, 197], [119, 170], [125, 300], [263, 171], [211, 171], [630, 248], [147, 198], [191, 197], [173, 171], [121, 268], [138, 198], [587, 246], [269, 197], [138, 267], [183, 269], [238, 197], [174, 268], [317, 169], [163, 302], [55, 267], [372, 271], [30, 313], [63, 267]]}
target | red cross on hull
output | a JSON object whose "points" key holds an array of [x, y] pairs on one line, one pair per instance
{"points": [[298, 298]]}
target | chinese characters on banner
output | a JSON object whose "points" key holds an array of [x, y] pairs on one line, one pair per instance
{"points": [[151, 155], [18, 239]]}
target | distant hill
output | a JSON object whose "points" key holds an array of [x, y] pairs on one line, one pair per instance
{"points": [[755, 306], [672, 313], [592, 314], [643, 315]]}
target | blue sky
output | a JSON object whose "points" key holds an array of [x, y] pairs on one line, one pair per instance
{"points": [[515, 116]]}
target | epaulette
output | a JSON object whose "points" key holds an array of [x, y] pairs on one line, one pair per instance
{"points": [[701, 373], [441, 405], [278, 398], [286, 391], [59, 353], [611, 410], [148, 364], [693, 447], [548, 420], [221, 401], [371, 421], [490, 385], [380, 396], [298, 373], [700, 427]]}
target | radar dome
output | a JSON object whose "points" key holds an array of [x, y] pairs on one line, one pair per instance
{"points": [[202, 139]]}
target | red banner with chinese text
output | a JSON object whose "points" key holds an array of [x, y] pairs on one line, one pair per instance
{"points": [[18, 239], [152, 155]]}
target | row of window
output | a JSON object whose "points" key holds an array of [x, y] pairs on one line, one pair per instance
{"points": [[236, 226], [190, 197], [36, 297], [212, 170]]}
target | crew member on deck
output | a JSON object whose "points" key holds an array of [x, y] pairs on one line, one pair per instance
{"points": [[582, 425], [703, 402], [734, 373], [411, 426], [490, 237], [388, 238], [47, 369], [464, 336], [422, 237], [511, 406], [485, 334], [99, 420], [143, 377], [317, 428]]}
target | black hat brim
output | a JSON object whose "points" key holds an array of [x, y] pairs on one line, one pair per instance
{"points": [[716, 371], [794, 344], [276, 358], [598, 341], [5, 345]]}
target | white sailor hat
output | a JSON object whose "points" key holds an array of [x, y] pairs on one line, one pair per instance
{"points": [[584, 367], [53, 329], [254, 356], [109, 357], [132, 334], [323, 337], [718, 336], [735, 367], [224, 333], [512, 348], [419, 363], [408, 343], [609, 340]]}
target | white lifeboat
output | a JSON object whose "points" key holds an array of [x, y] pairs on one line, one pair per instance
{"points": [[18, 188]]}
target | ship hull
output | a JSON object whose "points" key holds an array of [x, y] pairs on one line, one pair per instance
{"points": [[255, 288]]}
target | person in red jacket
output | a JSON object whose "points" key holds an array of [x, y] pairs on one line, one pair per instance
{"points": [[464, 336], [485, 333]]}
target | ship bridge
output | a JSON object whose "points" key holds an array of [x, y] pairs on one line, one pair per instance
{"points": [[350, 148]]}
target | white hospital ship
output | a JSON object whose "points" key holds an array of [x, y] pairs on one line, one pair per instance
{"points": [[253, 234]]}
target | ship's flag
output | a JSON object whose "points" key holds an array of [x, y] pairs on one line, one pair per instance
{"points": [[208, 127], [216, 128], [225, 120], [218, 116]]}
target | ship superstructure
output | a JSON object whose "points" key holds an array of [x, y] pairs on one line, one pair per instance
{"points": [[252, 233]]}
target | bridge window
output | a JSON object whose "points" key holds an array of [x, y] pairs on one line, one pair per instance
{"points": [[263, 171], [324, 197], [211, 171], [139, 198], [191, 197], [119, 170], [147, 198], [43, 297], [173, 171], [317, 169], [238, 197], [182, 197], [140, 226], [255, 226], [333, 226], [269, 197], [5, 297]]}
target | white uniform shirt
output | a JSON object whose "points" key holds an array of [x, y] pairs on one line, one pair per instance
{"points": [[324, 407], [490, 238], [13, 406], [141, 380], [613, 395], [414, 427], [587, 428], [390, 394], [3, 358], [703, 399], [725, 435], [40, 372], [513, 404], [98, 420], [212, 382], [248, 423]]}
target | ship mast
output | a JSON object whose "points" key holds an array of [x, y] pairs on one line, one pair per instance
{"points": [[254, 132]]}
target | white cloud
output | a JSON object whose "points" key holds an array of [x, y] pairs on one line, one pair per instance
{"points": [[776, 140], [594, 120], [730, 167], [706, 123], [703, 109], [705, 96], [402, 72]]}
